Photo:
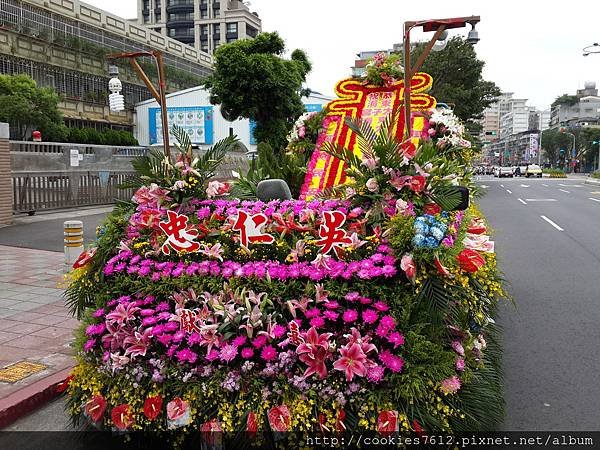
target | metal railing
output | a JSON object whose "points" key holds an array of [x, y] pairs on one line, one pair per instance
{"points": [[86, 149], [37, 191]]}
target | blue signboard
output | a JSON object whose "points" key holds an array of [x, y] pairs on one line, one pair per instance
{"points": [[196, 120], [311, 107]]}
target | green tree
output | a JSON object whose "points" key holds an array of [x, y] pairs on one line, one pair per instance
{"points": [[254, 81], [566, 99], [457, 80], [553, 141], [27, 107]]}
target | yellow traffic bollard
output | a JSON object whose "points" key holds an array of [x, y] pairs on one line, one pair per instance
{"points": [[73, 231]]}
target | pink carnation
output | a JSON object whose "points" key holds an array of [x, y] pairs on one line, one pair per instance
{"points": [[247, 352]]}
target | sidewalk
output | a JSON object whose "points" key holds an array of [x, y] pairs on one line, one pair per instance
{"points": [[35, 327]]}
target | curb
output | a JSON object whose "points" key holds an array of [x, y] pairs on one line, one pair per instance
{"points": [[26, 400]]}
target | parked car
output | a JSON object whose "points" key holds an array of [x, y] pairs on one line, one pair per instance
{"points": [[505, 172], [533, 170]]}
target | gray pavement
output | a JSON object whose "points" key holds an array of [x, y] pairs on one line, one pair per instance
{"points": [[45, 231], [548, 245], [50, 417]]}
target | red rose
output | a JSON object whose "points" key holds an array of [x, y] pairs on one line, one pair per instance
{"points": [[409, 149], [223, 188], [84, 258], [251, 423], [432, 208], [152, 407], [122, 416], [95, 408], [417, 183], [279, 418], [470, 260], [387, 422]]}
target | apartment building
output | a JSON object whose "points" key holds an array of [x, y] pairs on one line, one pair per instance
{"points": [[203, 24]]}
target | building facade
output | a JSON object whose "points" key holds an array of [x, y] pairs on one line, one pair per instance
{"points": [[204, 122], [203, 24], [64, 44], [583, 110]]}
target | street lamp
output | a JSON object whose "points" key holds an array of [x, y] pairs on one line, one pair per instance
{"points": [[439, 26], [116, 100]]}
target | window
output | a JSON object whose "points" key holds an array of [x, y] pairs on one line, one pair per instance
{"points": [[232, 28], [216, 29], [216, 13], [204, 30], [204, 14], [204, 46], [146, 18], [230, 40]]}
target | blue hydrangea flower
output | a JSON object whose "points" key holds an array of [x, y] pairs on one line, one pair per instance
{"points": [[436, 232], [431, 242], [421, 228], [419, 240]]}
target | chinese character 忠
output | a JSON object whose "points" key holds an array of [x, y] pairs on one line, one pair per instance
{"points": [[330, 233], [178, 236], [250, 229], [187, 321]]}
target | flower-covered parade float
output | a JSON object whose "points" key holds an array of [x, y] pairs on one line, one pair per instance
{"points": [[367, 304]]}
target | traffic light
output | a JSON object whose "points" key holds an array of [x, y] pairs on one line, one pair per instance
{"points": [[490, 133], [562, 151]]}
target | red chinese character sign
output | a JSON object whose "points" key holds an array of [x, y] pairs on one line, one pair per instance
{"points": [[179, 237], [332, 237], [369, 103], [250, 228]]}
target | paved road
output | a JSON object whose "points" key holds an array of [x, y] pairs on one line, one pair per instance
{"points": [[46, 233], [547, 233]]}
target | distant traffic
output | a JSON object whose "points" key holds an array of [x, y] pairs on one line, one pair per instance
{"points": [[522, 170]]}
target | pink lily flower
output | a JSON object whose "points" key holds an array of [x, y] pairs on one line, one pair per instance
{"points": [[352, 362], [212, 252], [314, 351], [123, 314], [138, 343], [118, 361], [364, 342]]}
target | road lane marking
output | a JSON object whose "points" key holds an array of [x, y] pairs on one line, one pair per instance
{"points": [[562, 190], [540, 199], [570, 185], [544, 185], [595, 192], [501, 185], [594, 199], [524, 185], [509, 191], [522, 201], [552, 223], [484, 186]]}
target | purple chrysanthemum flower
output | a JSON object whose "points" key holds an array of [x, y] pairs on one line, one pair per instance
{"points": [[331, 315], [186, 355], [313, 312], [268, 353], [317, 322], [375, 374], [247, 352], [352, 296], [370, 316], [381, 306], [278, 331], [89, 345], [396, 339], [239, 341], [259, 341], [228, 353], [350, 315], [460, 364], [450, 385], [212, 355], [388, 322], [99, 313]]}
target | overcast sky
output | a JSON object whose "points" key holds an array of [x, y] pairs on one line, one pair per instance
{"points": [[531, 48]]}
